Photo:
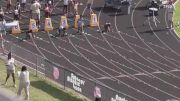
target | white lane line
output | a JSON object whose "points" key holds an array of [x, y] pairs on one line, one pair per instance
{"points": [[40, 48], [96, 37], [80, 39], [138, 74], [160, 63], [104, 49], [172, 59], [29, 62], [86, 50], [68, 51], [125, 66], [89, 69], [157, 46], [113, 70], [41, 39], [113, 36], [139, 46], [151, 62], [122, 48], [129, 35], [143, 65], [165, 46]]}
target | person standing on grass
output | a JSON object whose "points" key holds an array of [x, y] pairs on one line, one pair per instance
{"points": [[10, 69], [24, 82]]}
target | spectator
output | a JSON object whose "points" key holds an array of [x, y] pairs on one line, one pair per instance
{"points": [[1, 14], [81, 24], [35, 11], [10, 69], [97, 94], [23, 4], [8, 7], [24, 82], [47, 11], [65, 7]]}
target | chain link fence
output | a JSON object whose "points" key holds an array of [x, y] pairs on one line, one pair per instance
{"points": [[63, 76]]}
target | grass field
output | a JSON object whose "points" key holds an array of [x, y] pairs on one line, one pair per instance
{"points": [[40, 90], [177, 17]]}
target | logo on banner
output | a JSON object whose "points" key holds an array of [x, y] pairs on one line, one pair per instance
{"points": [[77, 82], [48, 25], [93, 21], [55, 73], [118, 98], [33, 26], [64, 21]]}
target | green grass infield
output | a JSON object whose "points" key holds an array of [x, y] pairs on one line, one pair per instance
{"points": [[176, 18]]}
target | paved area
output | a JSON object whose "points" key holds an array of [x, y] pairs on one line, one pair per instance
{"points": [[6, 95], [140, 61]]}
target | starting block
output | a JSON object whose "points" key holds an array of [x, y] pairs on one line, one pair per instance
{"points": [[33, 26], [48, 25], [64, 22], [77, 17], [94, 21], [16, 29]]}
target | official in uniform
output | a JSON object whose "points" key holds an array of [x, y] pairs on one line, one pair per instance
{"points": [[170, 12]]}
